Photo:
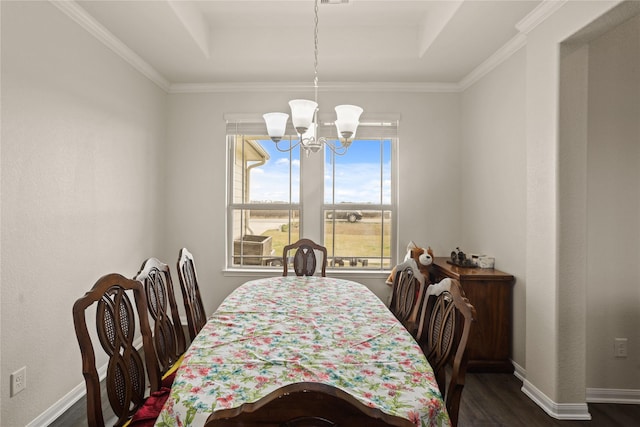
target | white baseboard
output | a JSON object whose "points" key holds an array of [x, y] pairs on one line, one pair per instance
{"points": [[519, 371], [593, 395], [560, 411], [63, 405], [70, 399], [607, 395]]}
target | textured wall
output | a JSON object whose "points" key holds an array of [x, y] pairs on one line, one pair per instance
{"points": [[81, 133], [613, 154], [493, 189], [555, 366], [196, 176]]}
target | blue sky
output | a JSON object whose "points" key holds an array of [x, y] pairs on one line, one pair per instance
{"points": [[357, 174]]}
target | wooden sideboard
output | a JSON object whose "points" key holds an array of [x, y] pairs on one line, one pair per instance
{"points": [[491, 293]]}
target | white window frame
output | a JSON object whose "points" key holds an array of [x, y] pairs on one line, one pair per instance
{"points": [[311, 205], [381, 206]]}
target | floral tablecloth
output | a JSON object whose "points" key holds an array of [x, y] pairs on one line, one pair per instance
{"points": [[280, 330]]}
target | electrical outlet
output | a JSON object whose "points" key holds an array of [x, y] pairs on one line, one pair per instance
{"points": [[620, 347], [18, 381]]}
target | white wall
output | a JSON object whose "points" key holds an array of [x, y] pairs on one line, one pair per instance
{"points": [[613, 153], [524, 148], [196, 176], [492, 167], [82, 139], [555, 327]]}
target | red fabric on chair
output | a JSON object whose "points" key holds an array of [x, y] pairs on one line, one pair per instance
{"points": [[146, 416]]}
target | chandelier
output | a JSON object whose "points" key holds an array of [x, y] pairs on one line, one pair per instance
{"points": [[304, 115]]}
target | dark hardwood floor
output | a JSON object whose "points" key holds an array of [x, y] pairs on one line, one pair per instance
{"points": [[488, 400], [491, 400]]}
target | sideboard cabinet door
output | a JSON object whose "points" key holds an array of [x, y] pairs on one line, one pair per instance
{"points": [[491, 293]]}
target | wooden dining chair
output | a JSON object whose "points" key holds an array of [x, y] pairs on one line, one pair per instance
{"points": [[115, 320], [305, 404], [196, 316], [406, 296], [445, 324], [168, 335], [304, 258]]}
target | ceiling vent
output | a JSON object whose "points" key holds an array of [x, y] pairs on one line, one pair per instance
{"points": [[334, 1]]}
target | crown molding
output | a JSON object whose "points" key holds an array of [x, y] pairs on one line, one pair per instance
{"points": [[539, 15], [306, 87], [498, 57], [86, 21], [526, 25]]}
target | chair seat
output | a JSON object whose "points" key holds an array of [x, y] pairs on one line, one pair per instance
{"points": [[148, 413]]}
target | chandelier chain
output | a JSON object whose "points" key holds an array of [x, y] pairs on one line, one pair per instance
{"points": [[315, 62], [307, 127]]}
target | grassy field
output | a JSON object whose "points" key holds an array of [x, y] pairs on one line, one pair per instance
{"points": [[360, 239]]}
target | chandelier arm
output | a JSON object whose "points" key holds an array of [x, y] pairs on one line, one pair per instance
{"points": [[290, 148], [339, 150]]}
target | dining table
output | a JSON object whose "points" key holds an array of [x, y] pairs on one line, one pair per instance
{"points": [[275, 331]]}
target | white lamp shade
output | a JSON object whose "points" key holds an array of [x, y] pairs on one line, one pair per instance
{"points": [[276, 124], [346, 130], [302, 111], [348, 117]]}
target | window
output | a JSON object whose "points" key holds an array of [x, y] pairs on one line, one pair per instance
{"points": [[358, 209], [277, 197]]}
